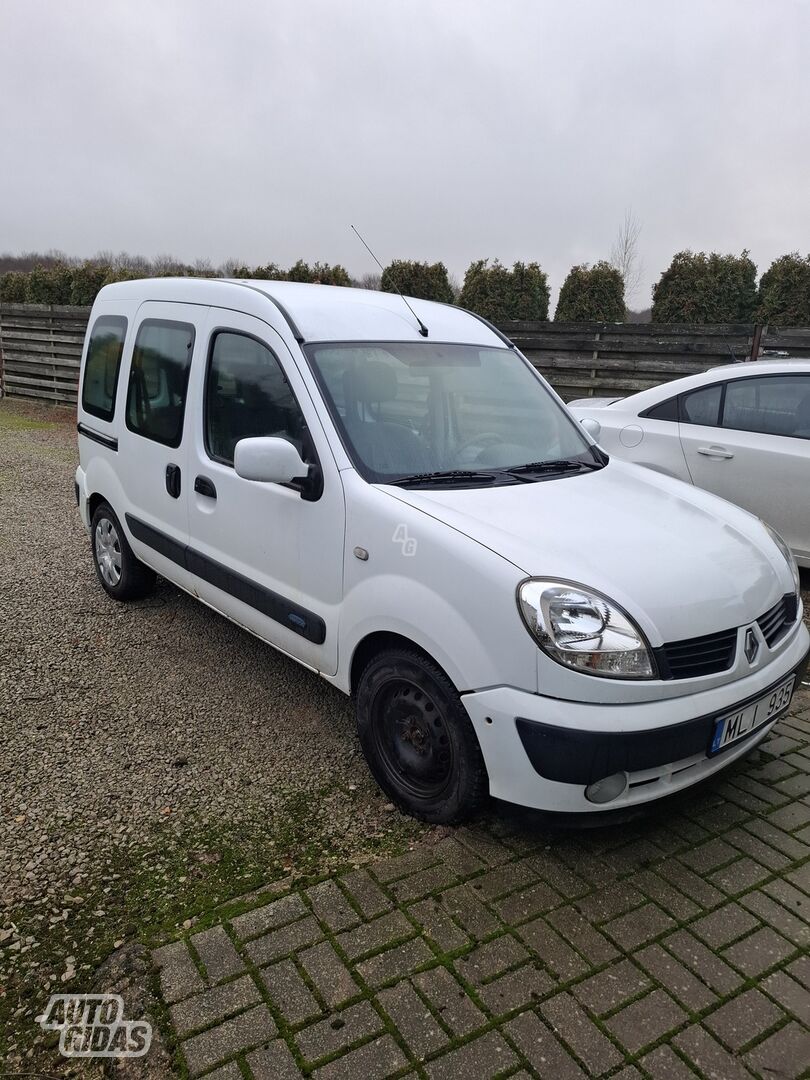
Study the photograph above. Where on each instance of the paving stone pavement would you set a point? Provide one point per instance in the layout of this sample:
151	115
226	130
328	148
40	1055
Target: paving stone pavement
673	946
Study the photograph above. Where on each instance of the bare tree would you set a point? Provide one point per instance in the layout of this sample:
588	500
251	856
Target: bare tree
203	267
232	267
367	281
124	261
643	316
164	265
624	255
56	255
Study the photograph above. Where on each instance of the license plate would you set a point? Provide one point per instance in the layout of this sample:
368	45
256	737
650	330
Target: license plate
730	729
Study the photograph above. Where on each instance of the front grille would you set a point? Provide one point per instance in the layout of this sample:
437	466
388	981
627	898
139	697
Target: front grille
697	656
774	623
712	653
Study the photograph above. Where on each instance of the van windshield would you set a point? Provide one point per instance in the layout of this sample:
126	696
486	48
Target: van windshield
428	413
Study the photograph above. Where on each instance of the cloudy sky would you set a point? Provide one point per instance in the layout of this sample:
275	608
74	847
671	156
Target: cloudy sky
444	129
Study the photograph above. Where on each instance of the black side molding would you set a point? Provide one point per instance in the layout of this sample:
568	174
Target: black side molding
305	623
98	436
161	543
275	607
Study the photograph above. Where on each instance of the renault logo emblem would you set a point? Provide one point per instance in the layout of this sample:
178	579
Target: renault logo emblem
751	646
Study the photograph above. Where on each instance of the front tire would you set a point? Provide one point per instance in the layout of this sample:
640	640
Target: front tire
418	740
122	576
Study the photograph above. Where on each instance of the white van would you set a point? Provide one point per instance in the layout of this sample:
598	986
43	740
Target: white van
393	496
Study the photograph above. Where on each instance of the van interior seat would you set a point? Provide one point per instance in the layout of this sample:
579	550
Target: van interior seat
245	407
385	445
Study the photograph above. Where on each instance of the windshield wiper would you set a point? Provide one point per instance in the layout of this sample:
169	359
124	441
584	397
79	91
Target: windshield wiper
449	476
561	465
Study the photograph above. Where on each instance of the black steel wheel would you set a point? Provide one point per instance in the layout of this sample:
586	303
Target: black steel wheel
418	739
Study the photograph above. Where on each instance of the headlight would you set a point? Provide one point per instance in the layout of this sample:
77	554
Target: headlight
780	543
584	630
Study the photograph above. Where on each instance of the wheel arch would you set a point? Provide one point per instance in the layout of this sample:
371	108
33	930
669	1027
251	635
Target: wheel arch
94	501
379	641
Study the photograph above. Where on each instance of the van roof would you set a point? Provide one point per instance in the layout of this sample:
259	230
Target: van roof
318	312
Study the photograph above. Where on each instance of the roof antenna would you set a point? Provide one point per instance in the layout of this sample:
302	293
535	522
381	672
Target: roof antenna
423	330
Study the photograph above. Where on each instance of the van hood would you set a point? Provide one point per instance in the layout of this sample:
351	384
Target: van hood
682	562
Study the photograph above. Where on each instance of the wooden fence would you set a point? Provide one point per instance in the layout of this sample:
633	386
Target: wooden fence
40	351
617	359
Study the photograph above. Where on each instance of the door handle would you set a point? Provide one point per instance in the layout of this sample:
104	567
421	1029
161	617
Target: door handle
173	480
204	486
714	451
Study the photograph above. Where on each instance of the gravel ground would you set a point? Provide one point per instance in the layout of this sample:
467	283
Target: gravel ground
115	715
122	725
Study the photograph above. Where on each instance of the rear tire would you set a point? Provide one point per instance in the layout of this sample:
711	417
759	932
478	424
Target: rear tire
122	576
418	739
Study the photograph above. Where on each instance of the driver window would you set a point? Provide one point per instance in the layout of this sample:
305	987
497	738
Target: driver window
247	395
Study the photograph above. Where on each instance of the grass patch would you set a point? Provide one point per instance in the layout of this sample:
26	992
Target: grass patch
151	892
12	421
31	414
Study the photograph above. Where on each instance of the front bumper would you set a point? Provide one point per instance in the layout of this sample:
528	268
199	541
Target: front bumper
542	752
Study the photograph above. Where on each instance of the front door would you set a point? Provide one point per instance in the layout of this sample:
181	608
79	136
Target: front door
153	440
264	555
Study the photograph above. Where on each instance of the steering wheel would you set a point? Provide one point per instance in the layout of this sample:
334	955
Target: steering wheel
478	442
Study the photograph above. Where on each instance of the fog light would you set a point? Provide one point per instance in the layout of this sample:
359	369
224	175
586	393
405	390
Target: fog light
607	789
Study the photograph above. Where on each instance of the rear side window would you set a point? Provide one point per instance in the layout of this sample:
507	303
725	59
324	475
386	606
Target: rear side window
158	377
665	410
101	368
772	405
702	406
247	395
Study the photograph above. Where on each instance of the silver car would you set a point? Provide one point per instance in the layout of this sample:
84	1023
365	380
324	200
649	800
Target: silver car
742	432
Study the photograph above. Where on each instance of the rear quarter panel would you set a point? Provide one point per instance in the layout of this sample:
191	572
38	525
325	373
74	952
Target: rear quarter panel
655	444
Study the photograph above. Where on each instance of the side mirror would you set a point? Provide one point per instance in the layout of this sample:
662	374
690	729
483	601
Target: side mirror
269	460
593	427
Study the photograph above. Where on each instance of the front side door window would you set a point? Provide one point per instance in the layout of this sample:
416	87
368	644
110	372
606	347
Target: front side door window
771	405
248	395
